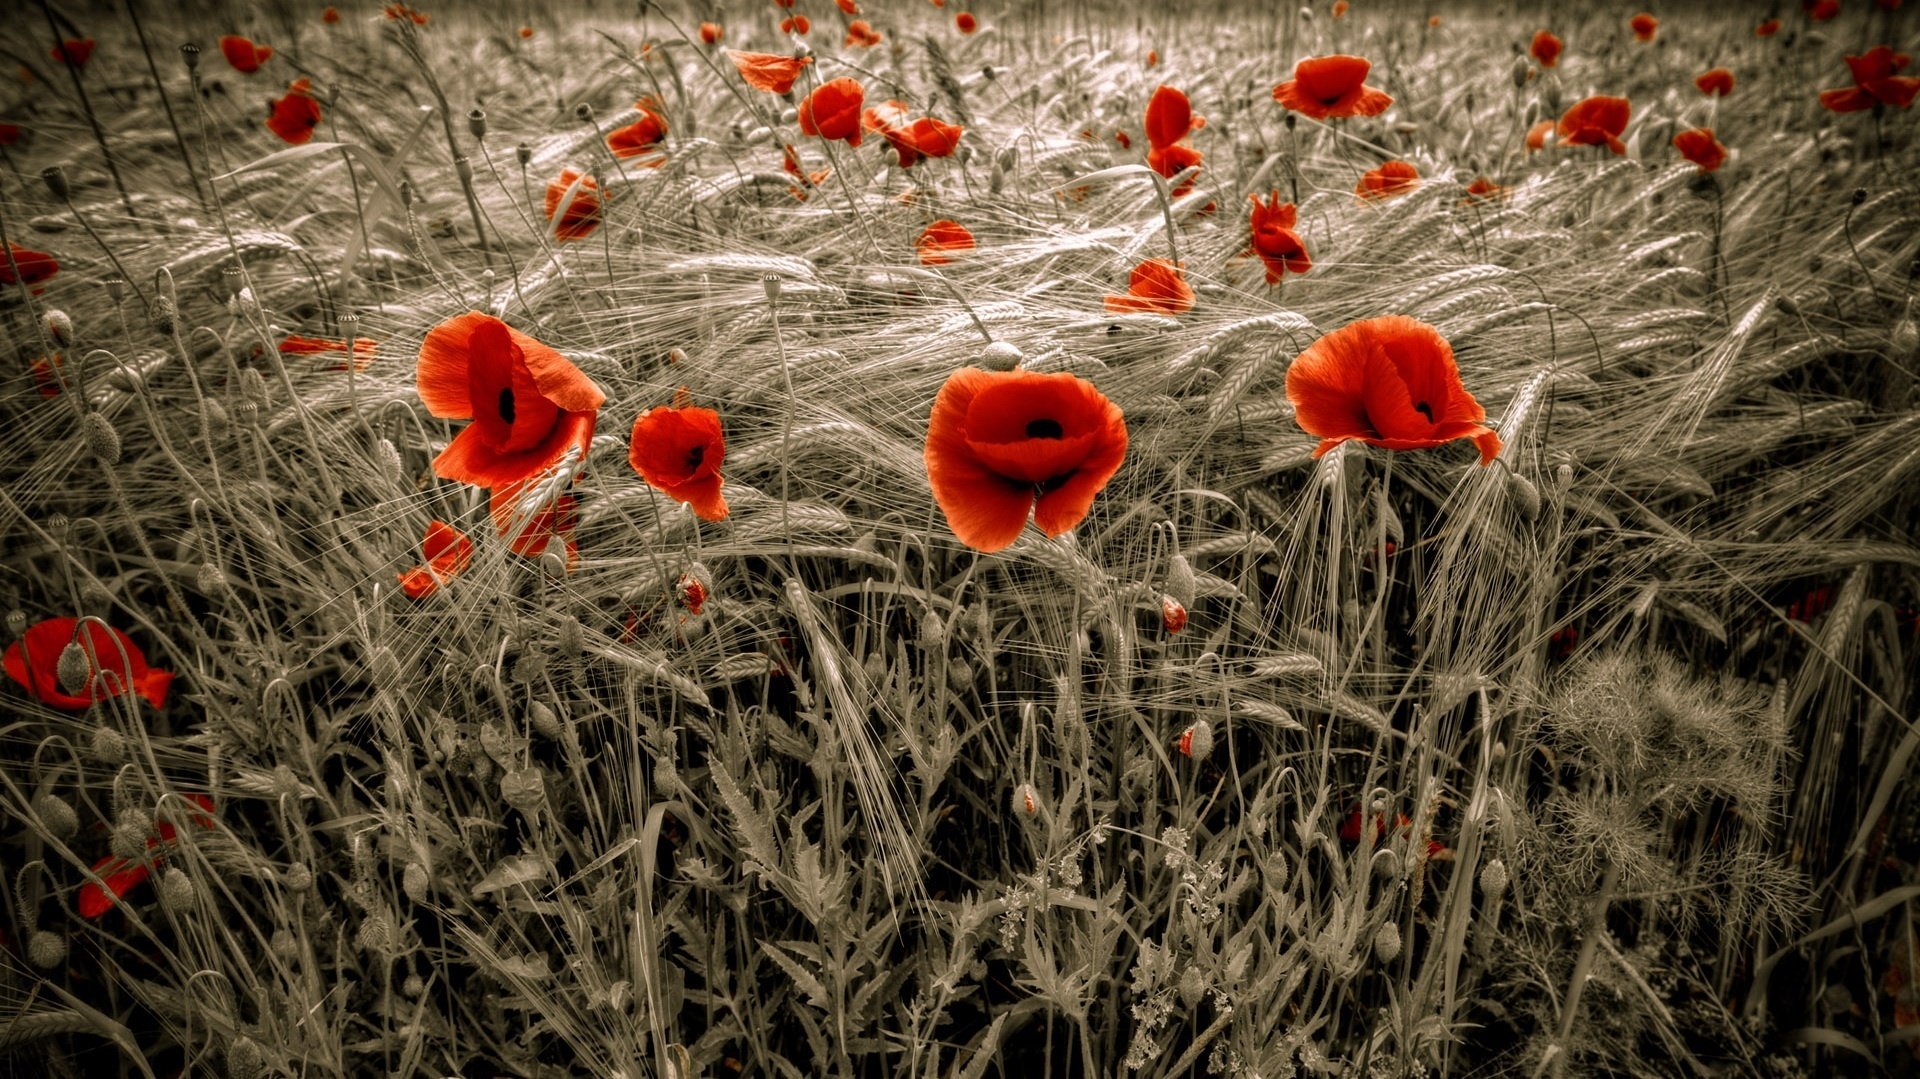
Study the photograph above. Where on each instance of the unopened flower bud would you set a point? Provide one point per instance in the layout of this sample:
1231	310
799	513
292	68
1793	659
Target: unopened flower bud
1493	878
106	745
1523	496
244	1058
296	877
131	830
1386	941
542	718
163	313
1026	800
176	888
1173	615
414	882
60	327
1520	71
73	669
46	950
1196	742
101	438
56	816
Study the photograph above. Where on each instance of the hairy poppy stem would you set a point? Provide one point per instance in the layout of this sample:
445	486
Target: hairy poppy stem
86	106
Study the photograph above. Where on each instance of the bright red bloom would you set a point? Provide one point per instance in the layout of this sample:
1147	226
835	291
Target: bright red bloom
710	33
531	408
1718	81
848	6
1390	180
1596	121
940	238
1388	382
1700	147
861	33
75	51
796	24
330	16
1173	617
1171	161
33	661
296	115
364	349
1644	26
678	451
1546	49
1820	10
244	55
1537	135
1874	82
582	214
1003	444
1275	240
448	552
25	264
765	71
1169	117
1767	28
119	876
832	111
912	140
1156	286
1483	188
1327	86
641	136
966	23
530	528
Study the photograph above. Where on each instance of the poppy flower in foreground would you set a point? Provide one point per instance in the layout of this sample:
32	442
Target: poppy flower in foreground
765	71
939	239
1546	49
1537	135
1171	161
115	665
710	33
1716	82
118	875
448	552
244	55
1169	117
1327	86
530	528
1874	82
1274	238
582	214
1005	444
75	51
296	115
1644	26
1388	382
1391	180
848	6
28	265
832	111
531	408
678	450
1700	147
1596	121
1767	28
641	136
300	345
1156	287
861	33
966	23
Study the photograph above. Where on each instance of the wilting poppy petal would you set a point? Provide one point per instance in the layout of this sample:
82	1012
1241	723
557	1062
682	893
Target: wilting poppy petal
678	451
1389	180
364	349
765	71
244	55
1389	382
296	115
33	661
531	529
941	238
582	214
1700	147
832	111
1332	86
1545	48
1596	121
1644	26
1718	81
639	137
1155	286
448	552
118	876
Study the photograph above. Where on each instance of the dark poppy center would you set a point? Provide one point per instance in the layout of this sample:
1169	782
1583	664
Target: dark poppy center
506	404
1425	410
1045	428
695	456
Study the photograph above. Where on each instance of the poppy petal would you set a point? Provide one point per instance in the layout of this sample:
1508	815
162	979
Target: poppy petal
442	373
117	878
469	458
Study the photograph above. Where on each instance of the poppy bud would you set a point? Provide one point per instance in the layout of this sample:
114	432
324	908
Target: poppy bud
676	356
1386	941
60	327
542	718
553	564
1523	496
286	946
211	579
1026	800
1173	615
1520	71
933	630
1001	356
163	313
413	986
959	675
1196	742
244	1058
297	877
176	888
100	436
389	460
253	385
413	882
73	669
523	153
116	288
572	638
1787	306
477	123
56	816
1193	986
1181	582
107	745
1493	878
191	54
56	180
130	832
788	116
759	135
46	950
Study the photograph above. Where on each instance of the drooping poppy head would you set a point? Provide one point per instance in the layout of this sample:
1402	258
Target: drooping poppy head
1716	82
710	33
531	408
966	23
1332	86
119	876
244	55
296	115
75	51
531	524
448	553
1156	286
1874	82
765	71
114	665
1274	239
1644	26
639	137
939	241
1389	382
678	450
582	213
832	111
1485	189
1537	135
1171	161
1546	49
1820	10
1169	117
1390	180
1700	147
1596	121
1768	28
862	34
796	24
363	349
26	265
1003	444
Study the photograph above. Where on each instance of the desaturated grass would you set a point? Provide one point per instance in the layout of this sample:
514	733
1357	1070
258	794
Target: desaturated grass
1626	716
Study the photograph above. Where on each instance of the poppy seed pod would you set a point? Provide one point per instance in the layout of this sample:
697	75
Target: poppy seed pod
191	54
771	282
46	950
477	123
414	882
56	181
101	438
56	816
583	112
463	169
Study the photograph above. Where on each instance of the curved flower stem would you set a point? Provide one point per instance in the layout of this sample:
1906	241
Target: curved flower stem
1166	214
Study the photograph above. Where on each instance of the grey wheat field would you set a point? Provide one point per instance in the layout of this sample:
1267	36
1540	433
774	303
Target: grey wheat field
712	707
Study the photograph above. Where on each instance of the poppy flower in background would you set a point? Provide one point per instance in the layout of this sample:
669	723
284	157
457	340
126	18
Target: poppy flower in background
678	450
796	24
448	553
1153	57
861	33
1352	827
1390	180
27	265
1169	117
1716	82
710	33
398	12
1874	82
1483	188
1820	10
1546	49
966	23
75	51
911	139
531	529
46	374
364	349
1156	287
296	115
1767	29
939	239
526	32
118	875
832	111
1005	444
330	16
1644	26
10	134
1700	147
1596	121
529	405
1274	238
34	662
1171	161
582	214
641	136
848	6
1537	135
244	55
1328	86
1388	382
765	71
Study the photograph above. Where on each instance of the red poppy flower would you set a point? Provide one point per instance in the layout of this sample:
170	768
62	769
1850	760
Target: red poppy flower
1156	286
678	450
1537	135
530	407
1820	10
639	137
1391	180
1351	828
832	111
861	33
582	214
848	6
940	238
330	16
118	875
1169	117
1153	57
1332	86
1275	240
75	51
25	264
1717	81
796	24
1700	147
397	12
530	529
1596	121
244	55
784	3
1546	49
966	22
710	33
296	115
1339	9
9	134
1874	82
448	552
33	661
526	32
299	345
912	140
46	374
764	71
1644	26
1390	382
1003	444
1483	188
1171	161
1767	28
